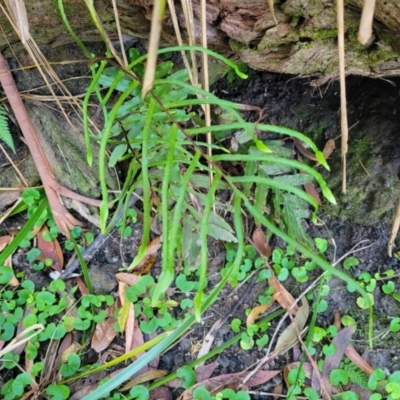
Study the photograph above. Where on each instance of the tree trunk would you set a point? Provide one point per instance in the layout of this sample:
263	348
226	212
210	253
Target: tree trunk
303	42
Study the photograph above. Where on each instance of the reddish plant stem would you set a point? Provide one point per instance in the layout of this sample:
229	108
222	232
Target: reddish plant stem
64	220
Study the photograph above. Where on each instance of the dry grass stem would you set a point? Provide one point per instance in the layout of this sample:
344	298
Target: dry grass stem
367	17
343	105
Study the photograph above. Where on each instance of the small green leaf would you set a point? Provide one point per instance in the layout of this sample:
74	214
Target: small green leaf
318	334
183	284
322	245
235	325
395	325
219	229
187	375
32	254
311	393
139	392
388	288
339	377
116	154
329	350
376	376
58	392
393	388
365	303
71	366
57	285
262	341
375	396
346	320
81	325
332	330
300	274
149	326
371	285
201	393
350	262
296	375
6	274
283	275
20	382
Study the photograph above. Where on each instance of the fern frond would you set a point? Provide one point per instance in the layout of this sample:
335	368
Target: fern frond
5	134
356	375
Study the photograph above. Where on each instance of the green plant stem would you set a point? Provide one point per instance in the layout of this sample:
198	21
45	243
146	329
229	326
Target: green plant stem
103	153
146	188
84	267
71	32
198	300
93	86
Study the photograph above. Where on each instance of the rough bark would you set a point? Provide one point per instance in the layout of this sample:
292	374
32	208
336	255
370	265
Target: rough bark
303	42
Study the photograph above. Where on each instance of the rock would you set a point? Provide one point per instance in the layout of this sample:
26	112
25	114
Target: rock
103	278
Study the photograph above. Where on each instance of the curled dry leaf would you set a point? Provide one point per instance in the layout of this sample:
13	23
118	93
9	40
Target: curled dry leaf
260	243
144	266
259	310
284	298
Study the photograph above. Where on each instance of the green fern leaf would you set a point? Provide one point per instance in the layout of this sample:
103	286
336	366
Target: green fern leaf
356	375
5	134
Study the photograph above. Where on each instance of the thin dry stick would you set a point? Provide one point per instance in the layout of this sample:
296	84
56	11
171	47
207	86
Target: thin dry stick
187	8
178	35
206	85
121	41
367	17
343	106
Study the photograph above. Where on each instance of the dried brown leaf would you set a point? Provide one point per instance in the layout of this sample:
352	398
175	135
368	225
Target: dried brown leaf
129	329
289	336
82	286
145	377
161	393
284	298
72	349
260	243
149	259
328	148
258	310
312	191
127	278
104	334
50	250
